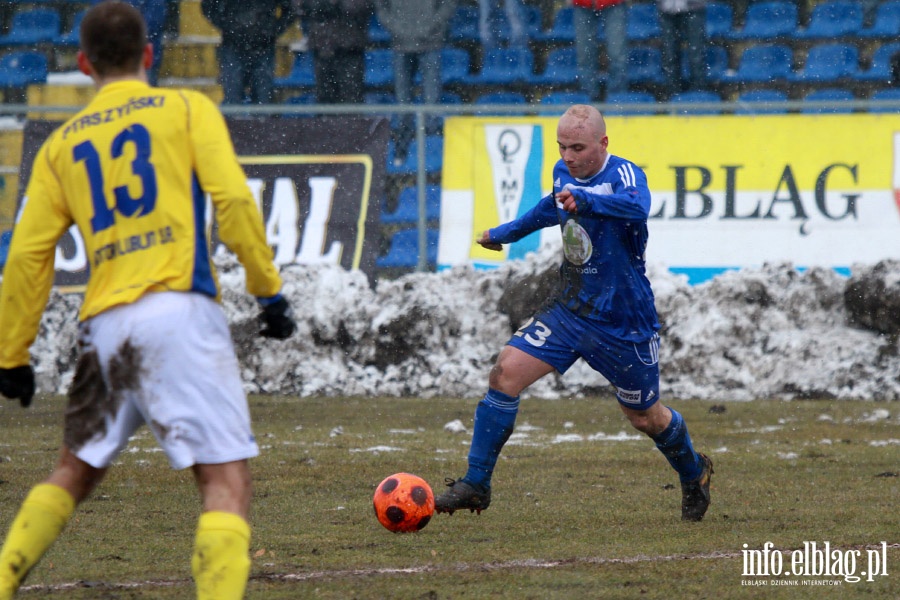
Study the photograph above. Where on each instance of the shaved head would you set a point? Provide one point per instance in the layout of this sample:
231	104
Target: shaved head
581	136
586	118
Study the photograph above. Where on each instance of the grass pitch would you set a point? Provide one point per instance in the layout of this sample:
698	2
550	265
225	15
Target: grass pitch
580	509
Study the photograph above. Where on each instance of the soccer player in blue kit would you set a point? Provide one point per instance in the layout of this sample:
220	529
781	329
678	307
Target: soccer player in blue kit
605	314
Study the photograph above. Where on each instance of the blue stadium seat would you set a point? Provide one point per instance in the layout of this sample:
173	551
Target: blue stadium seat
5	239
504	66
302	73
404	249
377	34
716	63
831	19
22	68
565	98
434	156
379	67
885	94
762	63
463	26
828	63
695	97
834	96
501	98
617	99
753	102
70	38
886	23
880	69
643	22
768	20
407	210
562	31
719	20
645	65
34	26
561	68
454	65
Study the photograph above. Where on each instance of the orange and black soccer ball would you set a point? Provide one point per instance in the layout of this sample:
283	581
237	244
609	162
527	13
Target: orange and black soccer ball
403	503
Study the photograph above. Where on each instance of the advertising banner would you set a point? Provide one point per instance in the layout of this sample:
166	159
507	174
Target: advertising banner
314	180
728	191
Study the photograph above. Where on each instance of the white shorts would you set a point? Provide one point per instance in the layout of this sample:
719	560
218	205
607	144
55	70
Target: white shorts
166	360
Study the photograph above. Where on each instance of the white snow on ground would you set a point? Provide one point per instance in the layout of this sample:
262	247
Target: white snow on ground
768	332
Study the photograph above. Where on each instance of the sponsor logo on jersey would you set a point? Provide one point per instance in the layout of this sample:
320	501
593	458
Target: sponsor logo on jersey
577	245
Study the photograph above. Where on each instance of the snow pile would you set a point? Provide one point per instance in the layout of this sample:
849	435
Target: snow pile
771	332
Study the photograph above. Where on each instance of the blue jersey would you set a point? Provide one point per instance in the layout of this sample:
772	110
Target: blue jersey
603	274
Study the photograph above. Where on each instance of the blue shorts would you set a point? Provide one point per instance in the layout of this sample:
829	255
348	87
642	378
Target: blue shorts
558	337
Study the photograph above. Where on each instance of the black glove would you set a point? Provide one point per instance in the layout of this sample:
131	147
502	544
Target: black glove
17	382
277	319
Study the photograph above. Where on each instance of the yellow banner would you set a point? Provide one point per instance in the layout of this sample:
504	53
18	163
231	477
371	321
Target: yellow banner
728	191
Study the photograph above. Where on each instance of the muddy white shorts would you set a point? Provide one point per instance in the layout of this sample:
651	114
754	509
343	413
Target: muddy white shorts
167	361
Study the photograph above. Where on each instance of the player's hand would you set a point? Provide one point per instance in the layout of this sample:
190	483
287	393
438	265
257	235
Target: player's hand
566	201
18	383
485	242
277	319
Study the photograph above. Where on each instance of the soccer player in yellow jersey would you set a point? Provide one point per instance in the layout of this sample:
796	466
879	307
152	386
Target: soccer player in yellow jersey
131	171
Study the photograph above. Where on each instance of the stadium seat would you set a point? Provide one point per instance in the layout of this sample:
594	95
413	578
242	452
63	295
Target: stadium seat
561	68
719	20
558	102
70	38
716	63
643	22
377	34
615	100
754	102
886	94
645	65
768	20
34	26
880	69
407	210
834	96
404	249
302	73
886	23
22	68
695	97
501	98
463	26
504	66
562	31
379	67
454	65
434	156
762	63
566	98
832	19
5	239
828	63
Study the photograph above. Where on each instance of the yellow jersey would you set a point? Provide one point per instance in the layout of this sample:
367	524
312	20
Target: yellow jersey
131	170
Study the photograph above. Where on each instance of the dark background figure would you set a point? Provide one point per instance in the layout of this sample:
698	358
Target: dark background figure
417	43
683	35
587	18
337	31
247	52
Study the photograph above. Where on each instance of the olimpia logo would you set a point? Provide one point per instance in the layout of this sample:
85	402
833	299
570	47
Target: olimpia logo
813	564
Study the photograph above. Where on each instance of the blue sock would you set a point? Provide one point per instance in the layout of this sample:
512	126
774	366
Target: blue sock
675	444
495	417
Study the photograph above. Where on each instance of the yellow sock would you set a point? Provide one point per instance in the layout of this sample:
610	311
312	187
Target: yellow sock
221	561
41	518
